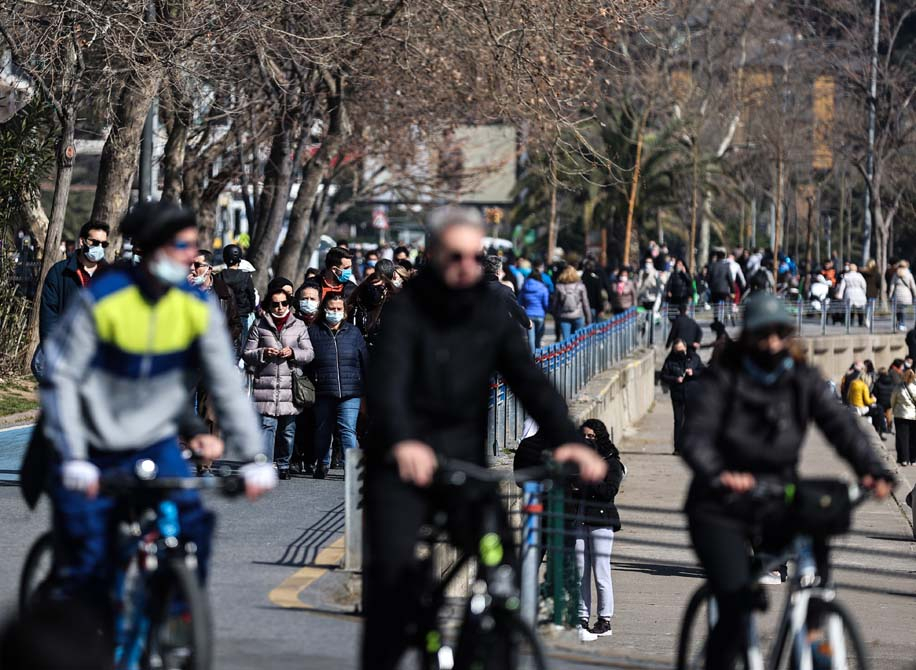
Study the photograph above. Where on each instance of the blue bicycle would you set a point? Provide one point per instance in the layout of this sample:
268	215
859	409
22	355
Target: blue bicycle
162	617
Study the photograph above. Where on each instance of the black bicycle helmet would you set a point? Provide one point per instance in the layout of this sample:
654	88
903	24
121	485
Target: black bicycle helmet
150	225
232	254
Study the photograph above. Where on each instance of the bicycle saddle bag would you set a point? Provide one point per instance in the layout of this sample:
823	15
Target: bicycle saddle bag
821	507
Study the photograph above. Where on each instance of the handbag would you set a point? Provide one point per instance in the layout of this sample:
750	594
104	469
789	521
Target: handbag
822	507
303	389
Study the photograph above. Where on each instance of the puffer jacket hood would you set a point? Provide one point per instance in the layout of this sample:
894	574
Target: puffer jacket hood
273	377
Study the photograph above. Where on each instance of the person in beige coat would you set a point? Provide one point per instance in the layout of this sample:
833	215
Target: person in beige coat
278	347
902	291
903	403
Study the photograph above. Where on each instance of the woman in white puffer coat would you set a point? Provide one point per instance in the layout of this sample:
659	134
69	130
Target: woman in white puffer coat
854	290
902	291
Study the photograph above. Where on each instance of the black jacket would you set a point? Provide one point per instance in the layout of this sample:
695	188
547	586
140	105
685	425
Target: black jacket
599	508
509	300
239	282
736	423
675	367
61	285
684	328
340	366
720	278
594	284
430	375
884	389
911	343
679	288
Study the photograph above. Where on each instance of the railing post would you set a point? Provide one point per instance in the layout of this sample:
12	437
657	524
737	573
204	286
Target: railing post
555	549
870	314
824	316
495	416
800	315
894	314
848	314
353	510
533	509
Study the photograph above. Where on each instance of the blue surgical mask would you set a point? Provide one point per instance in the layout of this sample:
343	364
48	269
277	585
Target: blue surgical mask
94	254
168	271
333	318
371	264
345	275
198	280
308	306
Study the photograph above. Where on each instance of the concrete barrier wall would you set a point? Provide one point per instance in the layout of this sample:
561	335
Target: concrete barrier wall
833	354
619	396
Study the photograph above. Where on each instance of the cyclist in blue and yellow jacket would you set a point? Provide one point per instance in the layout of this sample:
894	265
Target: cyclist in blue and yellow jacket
120	366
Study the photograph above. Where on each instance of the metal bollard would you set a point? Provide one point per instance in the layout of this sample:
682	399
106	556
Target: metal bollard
353	509
533	508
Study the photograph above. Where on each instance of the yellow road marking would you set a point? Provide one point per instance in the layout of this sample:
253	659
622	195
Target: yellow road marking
287	593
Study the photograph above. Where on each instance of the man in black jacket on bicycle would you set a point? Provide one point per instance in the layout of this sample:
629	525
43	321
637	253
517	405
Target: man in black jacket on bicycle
445	337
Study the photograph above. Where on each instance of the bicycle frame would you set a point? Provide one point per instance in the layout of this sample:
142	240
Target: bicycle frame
793	627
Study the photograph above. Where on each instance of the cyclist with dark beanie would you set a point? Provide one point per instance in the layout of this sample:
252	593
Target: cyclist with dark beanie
445	336
120	366
746	421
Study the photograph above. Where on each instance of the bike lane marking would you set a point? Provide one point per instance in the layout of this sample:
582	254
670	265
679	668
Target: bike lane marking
286	595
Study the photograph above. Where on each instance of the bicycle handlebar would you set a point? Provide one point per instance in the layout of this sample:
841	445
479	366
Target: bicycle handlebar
144	478
455	472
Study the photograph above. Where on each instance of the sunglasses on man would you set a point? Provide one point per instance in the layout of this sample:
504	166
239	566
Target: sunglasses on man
457	257
96	243
198	265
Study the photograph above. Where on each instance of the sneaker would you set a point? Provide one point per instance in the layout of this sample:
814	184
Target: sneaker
321	471
602	628
774	578
284	473
585	635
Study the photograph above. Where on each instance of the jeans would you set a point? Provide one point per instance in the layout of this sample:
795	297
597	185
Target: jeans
536	332
331	412
83	527
247	320
285	427
593	555
570	326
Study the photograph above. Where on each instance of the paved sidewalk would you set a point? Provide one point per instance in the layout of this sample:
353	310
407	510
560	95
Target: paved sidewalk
654	570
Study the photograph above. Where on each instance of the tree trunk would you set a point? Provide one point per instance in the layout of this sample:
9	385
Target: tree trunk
843	252
694	197
65	154
705	224
274	198
177	122
118	162
634	188
35	218
808	233
552	221
294	246
780	178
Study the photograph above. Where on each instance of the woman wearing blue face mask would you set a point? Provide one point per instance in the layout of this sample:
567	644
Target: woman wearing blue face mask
339	373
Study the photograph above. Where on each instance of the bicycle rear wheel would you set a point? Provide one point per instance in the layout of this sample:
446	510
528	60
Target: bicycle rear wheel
39	563
691	645
835	643
180	629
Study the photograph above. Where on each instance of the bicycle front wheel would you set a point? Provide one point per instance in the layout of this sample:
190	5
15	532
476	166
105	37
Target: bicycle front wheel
695	626
36	571
499	641
834	640
180	629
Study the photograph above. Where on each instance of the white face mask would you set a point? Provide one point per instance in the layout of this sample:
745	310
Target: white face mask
308	306
397	282
168	271
333	318
200	280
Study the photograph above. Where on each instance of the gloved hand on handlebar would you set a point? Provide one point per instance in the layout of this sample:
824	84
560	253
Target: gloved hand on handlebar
81	476
259	478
